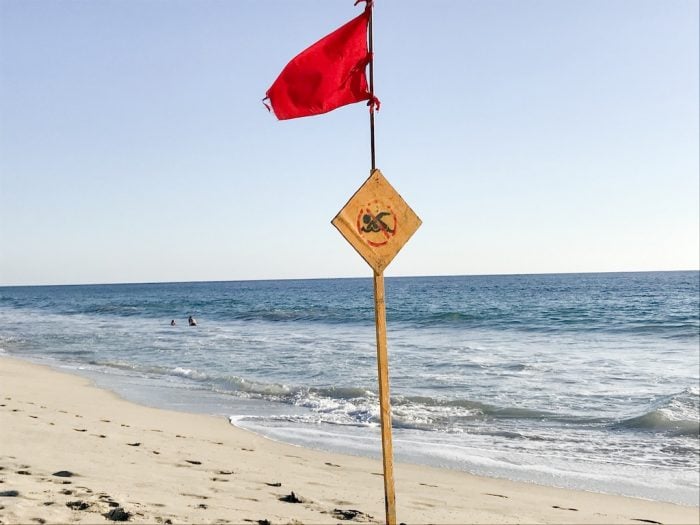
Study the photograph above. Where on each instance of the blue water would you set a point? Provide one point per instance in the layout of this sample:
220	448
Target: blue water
588	381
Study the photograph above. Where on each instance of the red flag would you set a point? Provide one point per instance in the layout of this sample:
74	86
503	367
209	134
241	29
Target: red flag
325	76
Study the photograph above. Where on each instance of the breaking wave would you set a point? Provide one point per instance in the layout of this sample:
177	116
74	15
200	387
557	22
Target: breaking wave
677	414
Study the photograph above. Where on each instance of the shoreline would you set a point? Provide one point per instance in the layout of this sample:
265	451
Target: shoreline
159	465
639	484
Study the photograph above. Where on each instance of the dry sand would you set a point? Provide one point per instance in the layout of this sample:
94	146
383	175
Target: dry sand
73	453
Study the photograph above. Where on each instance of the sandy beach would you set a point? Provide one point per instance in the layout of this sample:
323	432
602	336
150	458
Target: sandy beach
73	453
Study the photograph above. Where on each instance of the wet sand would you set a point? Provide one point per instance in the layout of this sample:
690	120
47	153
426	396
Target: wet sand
73	453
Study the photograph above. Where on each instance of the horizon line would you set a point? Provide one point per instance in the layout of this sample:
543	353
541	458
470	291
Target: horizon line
202	281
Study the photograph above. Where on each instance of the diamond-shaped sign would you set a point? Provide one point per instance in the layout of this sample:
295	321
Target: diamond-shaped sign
377	222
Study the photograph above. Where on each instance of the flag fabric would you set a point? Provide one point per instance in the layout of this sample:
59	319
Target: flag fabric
325	76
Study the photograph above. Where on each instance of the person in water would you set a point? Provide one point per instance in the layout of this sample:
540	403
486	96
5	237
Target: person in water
172	323
192	321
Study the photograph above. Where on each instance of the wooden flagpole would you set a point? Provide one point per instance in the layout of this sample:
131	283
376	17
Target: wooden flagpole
384	401
380	321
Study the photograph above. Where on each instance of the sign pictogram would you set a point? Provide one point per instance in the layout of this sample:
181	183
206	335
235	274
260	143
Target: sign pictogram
376	221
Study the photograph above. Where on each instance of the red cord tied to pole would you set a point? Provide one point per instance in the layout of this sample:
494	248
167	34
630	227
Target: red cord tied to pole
327	75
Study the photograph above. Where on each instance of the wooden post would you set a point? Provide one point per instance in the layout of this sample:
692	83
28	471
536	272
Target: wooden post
384	401
380	318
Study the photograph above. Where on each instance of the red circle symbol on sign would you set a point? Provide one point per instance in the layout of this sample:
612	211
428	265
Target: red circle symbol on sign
376	223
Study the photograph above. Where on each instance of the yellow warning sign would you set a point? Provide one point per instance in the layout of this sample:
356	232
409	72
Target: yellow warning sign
376	221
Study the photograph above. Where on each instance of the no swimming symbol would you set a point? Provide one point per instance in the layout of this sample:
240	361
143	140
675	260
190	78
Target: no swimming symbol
376	223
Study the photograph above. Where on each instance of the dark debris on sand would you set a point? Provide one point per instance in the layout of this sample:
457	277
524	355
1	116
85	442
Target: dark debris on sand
117	514
350	514
78	505
291	498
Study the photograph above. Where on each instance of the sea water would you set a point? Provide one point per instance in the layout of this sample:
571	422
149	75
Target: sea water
587	381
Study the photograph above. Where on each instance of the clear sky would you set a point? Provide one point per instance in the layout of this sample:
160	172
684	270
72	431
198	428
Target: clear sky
530	136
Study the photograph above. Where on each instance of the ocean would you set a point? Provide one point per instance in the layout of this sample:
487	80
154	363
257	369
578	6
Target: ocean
585	381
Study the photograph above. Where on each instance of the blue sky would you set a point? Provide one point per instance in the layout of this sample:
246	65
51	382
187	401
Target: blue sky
529	136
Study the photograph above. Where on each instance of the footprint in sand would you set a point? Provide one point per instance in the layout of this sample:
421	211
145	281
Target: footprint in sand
199	496
563	508
108	499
